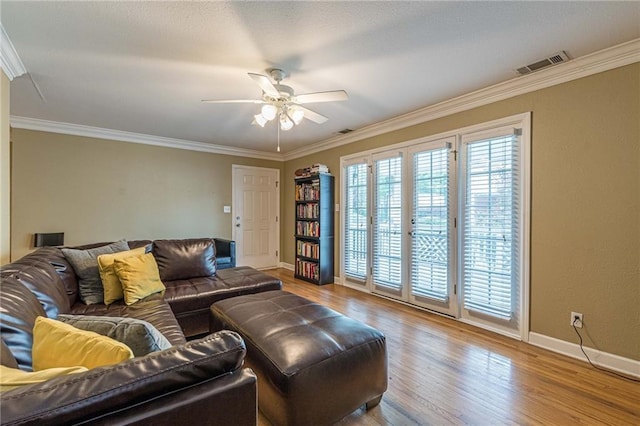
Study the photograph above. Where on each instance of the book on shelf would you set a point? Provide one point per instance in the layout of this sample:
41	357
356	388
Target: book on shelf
308	211
307	249
308	229
308	191
307	269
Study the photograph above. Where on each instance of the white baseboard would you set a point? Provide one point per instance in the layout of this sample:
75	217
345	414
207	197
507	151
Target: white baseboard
287	266
623	365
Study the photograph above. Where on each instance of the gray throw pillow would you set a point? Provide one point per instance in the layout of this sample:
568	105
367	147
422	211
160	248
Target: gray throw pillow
85	264
140	336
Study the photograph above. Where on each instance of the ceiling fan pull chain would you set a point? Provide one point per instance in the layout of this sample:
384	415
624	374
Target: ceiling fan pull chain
278	127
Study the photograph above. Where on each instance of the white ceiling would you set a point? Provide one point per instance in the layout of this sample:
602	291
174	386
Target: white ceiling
143	67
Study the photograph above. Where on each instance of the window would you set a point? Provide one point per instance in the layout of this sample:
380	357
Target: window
387	222
356	217
430	224
491	236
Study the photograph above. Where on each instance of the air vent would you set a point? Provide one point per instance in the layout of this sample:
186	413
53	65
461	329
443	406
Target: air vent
345	131
556	58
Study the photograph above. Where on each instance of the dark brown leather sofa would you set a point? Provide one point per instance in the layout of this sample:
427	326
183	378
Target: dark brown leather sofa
201	379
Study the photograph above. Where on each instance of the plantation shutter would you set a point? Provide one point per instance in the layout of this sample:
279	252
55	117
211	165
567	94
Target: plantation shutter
387	222
491	237
430	253
356	217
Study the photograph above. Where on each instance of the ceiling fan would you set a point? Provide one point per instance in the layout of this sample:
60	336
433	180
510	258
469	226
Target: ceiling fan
279	100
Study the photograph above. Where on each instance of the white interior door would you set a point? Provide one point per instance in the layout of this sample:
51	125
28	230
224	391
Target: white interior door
256	211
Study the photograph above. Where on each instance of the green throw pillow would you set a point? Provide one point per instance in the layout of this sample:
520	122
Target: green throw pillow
85	264
140	336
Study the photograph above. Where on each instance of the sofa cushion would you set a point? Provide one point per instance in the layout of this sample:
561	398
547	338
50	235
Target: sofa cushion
139	277
41	278
110	281
20	308
85	264
185	259
140	336
11	378
56	344
199	293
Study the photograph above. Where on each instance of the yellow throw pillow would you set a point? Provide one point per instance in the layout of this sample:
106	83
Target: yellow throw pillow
110	282
11	378
139	276
56	344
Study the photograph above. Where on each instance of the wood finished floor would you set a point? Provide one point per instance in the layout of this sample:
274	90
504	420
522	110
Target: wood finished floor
443	372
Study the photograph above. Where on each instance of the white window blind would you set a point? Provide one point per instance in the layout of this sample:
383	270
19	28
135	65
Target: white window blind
430	224
491	240
356	221
387	222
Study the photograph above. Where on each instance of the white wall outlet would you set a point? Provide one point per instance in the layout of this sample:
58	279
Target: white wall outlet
226	209
337	207
576	319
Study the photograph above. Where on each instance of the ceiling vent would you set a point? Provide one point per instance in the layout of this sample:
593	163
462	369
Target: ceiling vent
555	59
345	131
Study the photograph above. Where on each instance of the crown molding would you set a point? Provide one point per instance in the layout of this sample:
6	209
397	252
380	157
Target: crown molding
118	135
597	62
9	59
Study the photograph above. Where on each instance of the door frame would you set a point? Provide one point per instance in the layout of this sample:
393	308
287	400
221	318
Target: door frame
234	168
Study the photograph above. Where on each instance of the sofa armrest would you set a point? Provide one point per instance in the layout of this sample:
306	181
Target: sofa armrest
226	248
144	388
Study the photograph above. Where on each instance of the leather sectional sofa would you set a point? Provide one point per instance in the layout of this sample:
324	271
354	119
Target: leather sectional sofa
201	379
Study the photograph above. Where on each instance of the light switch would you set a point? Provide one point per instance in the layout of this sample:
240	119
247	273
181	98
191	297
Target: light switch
227	209
337	207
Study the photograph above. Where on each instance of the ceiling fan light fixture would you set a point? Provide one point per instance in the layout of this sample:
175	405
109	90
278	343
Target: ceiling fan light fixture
285	122
269	111
259	120
297	115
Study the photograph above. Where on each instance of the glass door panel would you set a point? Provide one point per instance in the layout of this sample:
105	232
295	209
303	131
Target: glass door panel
387	225
432	259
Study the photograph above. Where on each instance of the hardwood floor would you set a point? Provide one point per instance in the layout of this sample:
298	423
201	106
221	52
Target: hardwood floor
444	372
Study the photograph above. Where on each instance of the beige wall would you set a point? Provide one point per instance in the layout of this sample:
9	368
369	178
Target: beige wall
102	190
5	172
585	218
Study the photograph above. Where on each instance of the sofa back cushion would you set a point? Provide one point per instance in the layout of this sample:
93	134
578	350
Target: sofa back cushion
184	259
41	278
54	256
20	308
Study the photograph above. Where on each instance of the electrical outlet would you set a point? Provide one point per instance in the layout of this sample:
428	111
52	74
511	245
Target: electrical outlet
576	319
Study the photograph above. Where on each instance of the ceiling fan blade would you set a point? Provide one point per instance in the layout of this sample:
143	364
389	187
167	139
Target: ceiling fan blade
313	116
331	96
265	84
232	101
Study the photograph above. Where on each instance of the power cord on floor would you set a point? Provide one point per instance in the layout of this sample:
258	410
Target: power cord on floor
595	366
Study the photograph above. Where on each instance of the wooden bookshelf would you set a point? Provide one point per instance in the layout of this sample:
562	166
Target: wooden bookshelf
314	230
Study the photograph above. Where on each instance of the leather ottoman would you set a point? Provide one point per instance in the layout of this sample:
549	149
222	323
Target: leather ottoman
314	365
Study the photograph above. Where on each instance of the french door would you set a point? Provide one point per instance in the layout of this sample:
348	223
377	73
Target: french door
412	213
443	224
